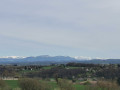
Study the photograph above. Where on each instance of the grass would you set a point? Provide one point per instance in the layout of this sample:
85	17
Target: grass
72	67
53	84
14	84
48	67
79	87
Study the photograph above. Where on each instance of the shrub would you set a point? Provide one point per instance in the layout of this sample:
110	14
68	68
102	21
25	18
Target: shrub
104	85
29	84
65	85
4	86
87	83
45	86
109	85
118	81
33	84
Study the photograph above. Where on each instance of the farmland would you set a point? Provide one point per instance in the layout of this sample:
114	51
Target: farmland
14	84
55	77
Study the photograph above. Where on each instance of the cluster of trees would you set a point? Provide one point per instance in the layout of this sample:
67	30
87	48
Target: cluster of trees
32	67
108	73
83	71
7	72
63	71
82	65
58	72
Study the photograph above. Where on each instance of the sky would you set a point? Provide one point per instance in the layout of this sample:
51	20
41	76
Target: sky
60	27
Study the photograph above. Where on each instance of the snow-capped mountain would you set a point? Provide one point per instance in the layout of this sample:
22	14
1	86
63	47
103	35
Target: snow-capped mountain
82	58
14	57
89	58
46	59
36	59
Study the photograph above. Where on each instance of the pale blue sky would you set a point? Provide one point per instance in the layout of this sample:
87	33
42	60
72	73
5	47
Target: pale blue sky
60	27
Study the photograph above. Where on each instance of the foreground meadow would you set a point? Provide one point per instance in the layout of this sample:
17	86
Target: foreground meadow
15	85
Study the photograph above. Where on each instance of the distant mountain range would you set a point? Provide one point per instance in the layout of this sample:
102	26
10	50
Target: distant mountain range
46	60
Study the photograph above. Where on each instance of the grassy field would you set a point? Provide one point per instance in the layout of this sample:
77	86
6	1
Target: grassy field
14	84
79	87
48	67
72	67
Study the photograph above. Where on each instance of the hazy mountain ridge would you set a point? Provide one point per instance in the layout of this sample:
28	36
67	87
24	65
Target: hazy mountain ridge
45	59
38	59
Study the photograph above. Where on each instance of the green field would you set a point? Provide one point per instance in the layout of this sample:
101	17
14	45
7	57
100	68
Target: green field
48	67
72	67
14	84
79	87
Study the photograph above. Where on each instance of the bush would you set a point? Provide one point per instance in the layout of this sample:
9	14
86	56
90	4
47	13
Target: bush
87	83
109	85
45	86
33	84
29	84
65	85
118	81
104	85
4	86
